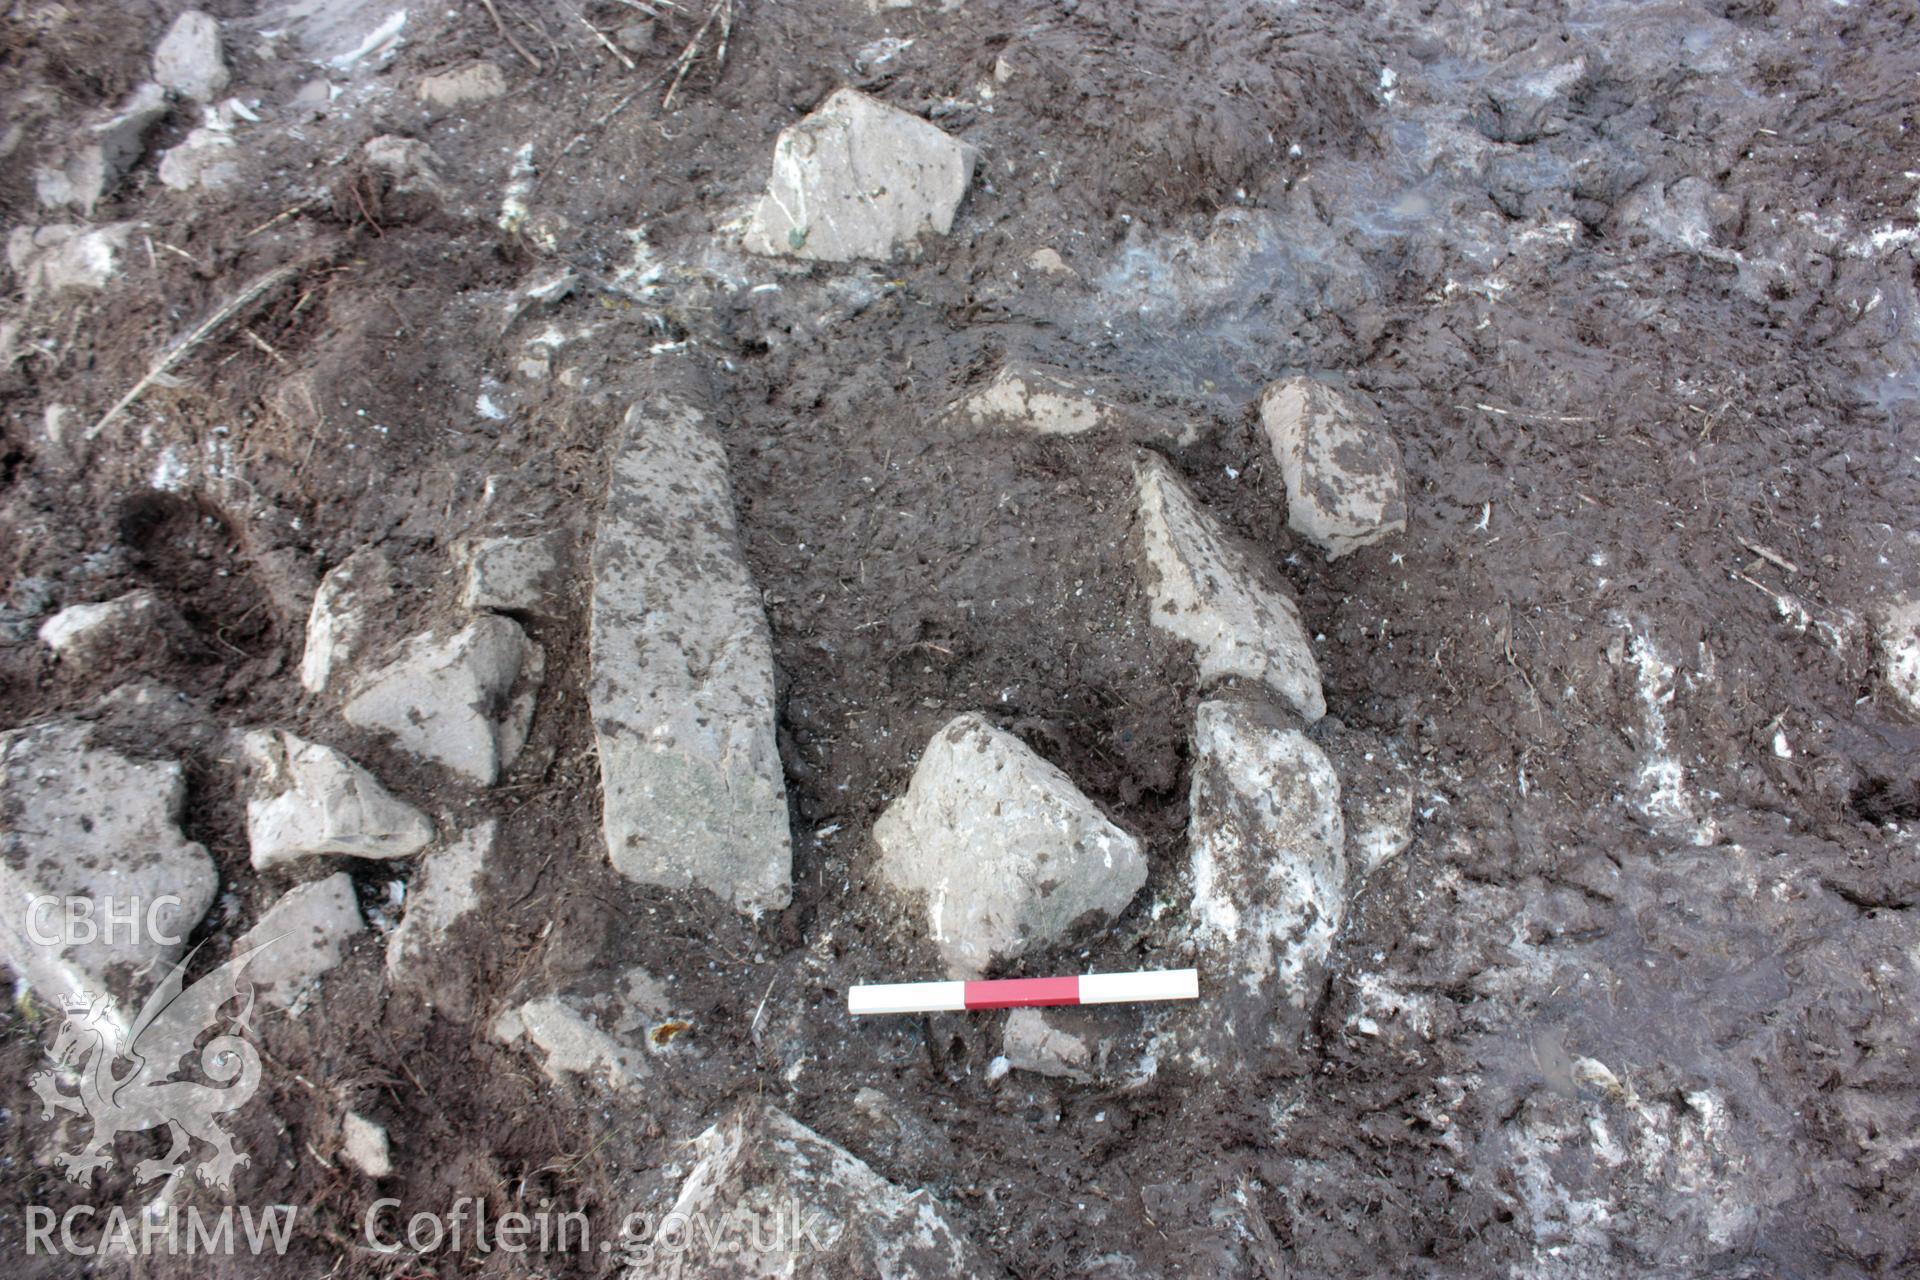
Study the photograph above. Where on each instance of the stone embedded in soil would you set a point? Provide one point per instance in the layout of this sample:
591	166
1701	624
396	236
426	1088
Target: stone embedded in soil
1345	486
461	86
302	936
1008	853
112	635
364	1145
1030	1042
514	575
1267	850
206	159
574	1044
681	689
1204	590
465	701
411	162
63	256
89	827
191	59
445	891
842	1217
859	179
1038	401
102	153
353	593
1898	634
311	801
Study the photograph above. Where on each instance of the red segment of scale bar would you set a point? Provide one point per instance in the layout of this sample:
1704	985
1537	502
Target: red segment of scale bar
1023	993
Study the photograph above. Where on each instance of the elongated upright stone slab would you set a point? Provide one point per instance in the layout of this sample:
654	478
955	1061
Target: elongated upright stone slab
1267	845
681	689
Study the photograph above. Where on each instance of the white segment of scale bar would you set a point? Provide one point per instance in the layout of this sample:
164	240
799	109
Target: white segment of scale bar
1117	988
907	997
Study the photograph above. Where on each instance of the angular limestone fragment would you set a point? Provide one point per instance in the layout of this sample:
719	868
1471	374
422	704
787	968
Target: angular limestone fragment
191	59
309	800
89	839
1266	841
1205	591
350	597
446	891
841	1217
302	936
1008	852
465	701
1345	483
859	179
1037	401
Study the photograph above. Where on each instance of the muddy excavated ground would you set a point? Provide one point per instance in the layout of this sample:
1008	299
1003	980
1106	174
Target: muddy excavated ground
1635	288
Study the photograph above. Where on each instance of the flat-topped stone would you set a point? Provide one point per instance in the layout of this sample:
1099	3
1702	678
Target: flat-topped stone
682	679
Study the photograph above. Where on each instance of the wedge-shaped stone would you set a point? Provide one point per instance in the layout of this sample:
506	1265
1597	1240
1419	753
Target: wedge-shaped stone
1267	845
350	597
775	1198
89	839
1008	852
859	179
681	690
465	700
446	891
309	801
1345	486
302	936
1205	590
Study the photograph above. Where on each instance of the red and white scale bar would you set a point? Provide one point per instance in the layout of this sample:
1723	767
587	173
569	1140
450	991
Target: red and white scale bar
1024	993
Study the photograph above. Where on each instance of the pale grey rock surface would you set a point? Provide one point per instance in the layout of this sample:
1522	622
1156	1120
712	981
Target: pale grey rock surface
1037	400
191	58
465	701
761	1161
1205	590
364	1145
208	158
302	936
86	823
573	1043
1007	852
1345	482
461	86
1898	634
351	596
63	256
1031	1042
445	891
310	801
859	179
513	574
104	635
102	153
1267	853
682	683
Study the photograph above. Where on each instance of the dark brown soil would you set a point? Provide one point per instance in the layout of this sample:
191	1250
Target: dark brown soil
1618	441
